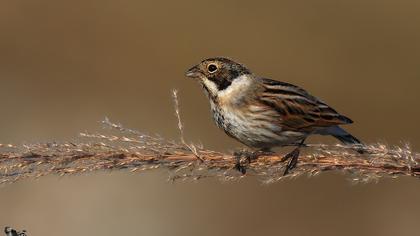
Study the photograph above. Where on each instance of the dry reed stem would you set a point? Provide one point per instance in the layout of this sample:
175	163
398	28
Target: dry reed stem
132	150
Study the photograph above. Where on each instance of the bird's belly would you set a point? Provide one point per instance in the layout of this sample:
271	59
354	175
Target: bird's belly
253	131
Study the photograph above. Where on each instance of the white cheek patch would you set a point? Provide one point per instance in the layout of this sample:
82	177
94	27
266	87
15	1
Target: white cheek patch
238	86
211	86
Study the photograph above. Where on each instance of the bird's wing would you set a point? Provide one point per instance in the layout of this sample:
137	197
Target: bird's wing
297	108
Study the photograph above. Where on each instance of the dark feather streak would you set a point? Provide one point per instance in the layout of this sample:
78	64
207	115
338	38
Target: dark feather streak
273	105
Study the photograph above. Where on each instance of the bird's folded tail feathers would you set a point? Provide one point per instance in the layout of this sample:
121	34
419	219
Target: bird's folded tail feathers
344	136
347	139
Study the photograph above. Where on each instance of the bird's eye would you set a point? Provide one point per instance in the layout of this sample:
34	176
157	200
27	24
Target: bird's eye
212	68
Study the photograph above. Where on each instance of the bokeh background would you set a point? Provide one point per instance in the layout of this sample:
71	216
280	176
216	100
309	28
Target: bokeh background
65	65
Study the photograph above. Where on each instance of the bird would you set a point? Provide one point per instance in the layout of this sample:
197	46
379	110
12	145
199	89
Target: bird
263	113
12	232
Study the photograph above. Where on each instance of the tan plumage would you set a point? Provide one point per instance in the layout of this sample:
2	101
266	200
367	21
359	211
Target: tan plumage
299	109
264	113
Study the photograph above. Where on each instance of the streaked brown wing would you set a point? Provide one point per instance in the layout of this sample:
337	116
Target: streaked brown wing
297	108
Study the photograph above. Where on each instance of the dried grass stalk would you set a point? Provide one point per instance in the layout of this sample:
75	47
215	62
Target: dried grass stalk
135	151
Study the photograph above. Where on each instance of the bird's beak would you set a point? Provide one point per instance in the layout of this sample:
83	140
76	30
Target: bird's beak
193	72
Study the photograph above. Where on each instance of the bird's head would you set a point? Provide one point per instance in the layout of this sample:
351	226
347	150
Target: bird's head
217	74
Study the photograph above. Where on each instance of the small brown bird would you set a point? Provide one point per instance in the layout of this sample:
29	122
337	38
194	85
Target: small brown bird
263	113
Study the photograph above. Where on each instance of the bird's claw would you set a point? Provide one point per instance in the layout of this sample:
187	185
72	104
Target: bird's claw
250	156
293	159
239	167
238	155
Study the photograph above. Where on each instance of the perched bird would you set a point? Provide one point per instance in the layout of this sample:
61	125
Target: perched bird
12	232
263	113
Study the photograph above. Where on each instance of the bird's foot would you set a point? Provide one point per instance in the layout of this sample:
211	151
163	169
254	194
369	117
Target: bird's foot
239	167
239	155
293	160
249	156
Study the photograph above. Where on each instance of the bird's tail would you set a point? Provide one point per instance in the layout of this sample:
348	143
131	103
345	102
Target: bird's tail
344	136
347	139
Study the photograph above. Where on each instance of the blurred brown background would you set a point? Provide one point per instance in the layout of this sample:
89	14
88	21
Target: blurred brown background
64	65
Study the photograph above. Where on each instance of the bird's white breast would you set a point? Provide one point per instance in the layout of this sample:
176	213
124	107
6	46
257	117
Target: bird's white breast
248	129
237	87
243	120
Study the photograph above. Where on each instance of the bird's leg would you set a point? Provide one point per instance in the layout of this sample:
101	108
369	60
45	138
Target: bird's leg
292	157
250	156
238	156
